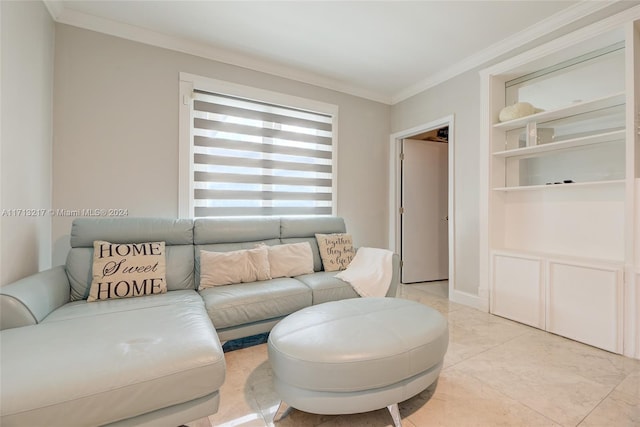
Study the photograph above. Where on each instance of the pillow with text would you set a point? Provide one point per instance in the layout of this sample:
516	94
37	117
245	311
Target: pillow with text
336	250
125	270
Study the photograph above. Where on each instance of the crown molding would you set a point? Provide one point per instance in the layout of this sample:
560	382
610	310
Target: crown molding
180	44
203	50
529	34
55	8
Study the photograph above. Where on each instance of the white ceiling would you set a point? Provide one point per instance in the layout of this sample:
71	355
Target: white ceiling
381	50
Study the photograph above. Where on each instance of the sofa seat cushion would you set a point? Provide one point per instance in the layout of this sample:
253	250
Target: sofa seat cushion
325	287
77	309
240	304
118	364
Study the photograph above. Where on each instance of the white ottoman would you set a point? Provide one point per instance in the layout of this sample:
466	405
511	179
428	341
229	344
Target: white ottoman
356	355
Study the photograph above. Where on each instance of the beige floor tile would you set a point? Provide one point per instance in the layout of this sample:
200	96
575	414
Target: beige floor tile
458	399
440	288
618	409
203	422
238	405
441	304
560	378
631	385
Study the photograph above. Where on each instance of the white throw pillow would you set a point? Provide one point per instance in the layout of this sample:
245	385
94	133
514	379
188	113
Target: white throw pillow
127	270
290	260
226	268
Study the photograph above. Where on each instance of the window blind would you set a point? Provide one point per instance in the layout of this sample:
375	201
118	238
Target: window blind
254	158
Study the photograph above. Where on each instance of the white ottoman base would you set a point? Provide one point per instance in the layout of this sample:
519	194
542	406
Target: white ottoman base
334	403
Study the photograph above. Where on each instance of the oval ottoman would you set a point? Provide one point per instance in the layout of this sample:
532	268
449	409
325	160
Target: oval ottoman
356	355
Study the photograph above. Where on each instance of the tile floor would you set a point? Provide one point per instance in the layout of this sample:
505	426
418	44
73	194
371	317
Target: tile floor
496	373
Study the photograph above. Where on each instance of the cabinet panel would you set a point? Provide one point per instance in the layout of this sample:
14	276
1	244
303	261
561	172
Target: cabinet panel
584	303
517	289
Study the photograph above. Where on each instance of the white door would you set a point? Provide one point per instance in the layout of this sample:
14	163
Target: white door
424	221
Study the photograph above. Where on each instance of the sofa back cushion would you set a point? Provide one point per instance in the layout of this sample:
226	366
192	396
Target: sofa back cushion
304	229
176	233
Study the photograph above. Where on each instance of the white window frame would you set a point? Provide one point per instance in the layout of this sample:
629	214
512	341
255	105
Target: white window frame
190	82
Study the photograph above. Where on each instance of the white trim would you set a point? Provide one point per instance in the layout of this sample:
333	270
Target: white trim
185	150
635	328
546	26
394	188
593	31
55	7
468	299
632	214
189	82
254	93
203	50
180	44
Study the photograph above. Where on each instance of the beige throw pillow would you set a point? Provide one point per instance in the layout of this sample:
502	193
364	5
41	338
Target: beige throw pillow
226	268
336	250
290	260
127	270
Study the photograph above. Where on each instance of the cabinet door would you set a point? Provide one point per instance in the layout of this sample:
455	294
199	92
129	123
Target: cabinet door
584	303
517	289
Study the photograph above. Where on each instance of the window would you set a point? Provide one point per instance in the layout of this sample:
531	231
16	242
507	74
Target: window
249	157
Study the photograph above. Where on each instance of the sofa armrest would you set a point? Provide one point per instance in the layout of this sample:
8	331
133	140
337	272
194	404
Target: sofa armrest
395	279
29	300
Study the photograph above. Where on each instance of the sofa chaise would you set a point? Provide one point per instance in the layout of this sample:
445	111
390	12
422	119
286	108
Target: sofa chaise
150	360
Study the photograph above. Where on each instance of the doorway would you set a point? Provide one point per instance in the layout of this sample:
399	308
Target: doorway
421	201
424	187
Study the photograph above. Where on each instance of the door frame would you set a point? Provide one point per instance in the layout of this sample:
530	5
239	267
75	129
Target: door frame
395	190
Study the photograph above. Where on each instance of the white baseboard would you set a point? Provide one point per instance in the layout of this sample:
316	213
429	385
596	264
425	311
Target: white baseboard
468	299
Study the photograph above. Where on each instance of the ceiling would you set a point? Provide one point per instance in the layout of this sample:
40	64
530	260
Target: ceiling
381	50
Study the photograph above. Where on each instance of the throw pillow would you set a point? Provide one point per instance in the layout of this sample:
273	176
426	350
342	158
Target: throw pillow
336	250
226	268
290	260
125	270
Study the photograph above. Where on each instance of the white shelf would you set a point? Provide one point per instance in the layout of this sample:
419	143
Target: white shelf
557	186
569	143
578	108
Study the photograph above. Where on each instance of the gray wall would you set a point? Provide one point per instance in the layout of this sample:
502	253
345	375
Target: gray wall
459	96
116	133
25	171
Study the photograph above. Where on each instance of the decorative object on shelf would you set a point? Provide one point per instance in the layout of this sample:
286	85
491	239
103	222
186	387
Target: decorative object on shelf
517	110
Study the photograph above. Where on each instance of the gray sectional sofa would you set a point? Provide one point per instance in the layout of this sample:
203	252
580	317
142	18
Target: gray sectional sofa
151	360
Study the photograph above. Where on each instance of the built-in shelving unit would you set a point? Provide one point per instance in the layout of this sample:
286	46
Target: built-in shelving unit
561	220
